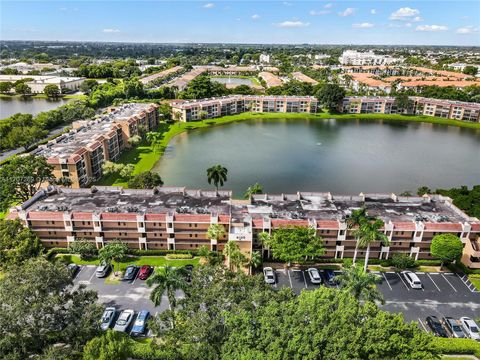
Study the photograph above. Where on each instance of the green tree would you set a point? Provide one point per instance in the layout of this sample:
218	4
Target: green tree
369	233
232	252
88	85
145	180
41	308
446	247
86	249
22	89
169	280
423	190
52	91
403	261
63	181
356	219
127	170
255	261
217	174
116	251
330	96
254	189
360	284
17	243
295	244
470	70
5	87
22	177
202	114
134	140
403	102
110	346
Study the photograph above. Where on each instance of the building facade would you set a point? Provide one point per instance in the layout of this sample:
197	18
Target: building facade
178	218
37	83
79	154
353	57
447	109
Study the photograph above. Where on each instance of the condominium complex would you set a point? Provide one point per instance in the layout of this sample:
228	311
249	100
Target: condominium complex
448	109
37	83
80	153
177	218
165	74
353	57
270	79
192	110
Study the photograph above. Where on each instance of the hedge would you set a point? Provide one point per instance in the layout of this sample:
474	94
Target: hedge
179	256
51	253
457	346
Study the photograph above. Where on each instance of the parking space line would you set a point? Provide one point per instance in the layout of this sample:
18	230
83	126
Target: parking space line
423	325
403	282
290	279
387	281
136	276
91	277
449	283
305	280
434	283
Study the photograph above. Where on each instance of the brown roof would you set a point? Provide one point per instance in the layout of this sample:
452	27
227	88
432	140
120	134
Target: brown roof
297	75
442	72
270	79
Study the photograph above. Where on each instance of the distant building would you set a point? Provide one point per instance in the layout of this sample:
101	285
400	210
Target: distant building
23	67
461	66
297	75
37	85
192	110
353	57
80	153
264	59
270	79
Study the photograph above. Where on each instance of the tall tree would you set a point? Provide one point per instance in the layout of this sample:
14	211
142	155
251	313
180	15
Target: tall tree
109	346
22	177
331	96
22	89
255	261
360	284
116	251
52	91
217	174
357	218
447	247
403	102
145	180
253	189
368	233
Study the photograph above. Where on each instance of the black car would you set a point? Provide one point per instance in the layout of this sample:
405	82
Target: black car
330	277
130	272
436	327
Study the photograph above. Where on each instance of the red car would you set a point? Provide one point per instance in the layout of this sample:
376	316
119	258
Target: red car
145	272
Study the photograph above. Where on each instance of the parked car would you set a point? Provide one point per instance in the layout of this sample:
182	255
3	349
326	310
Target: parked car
145	272
330	277
140	325
470	328
73	268
269	275
453	326
412	279
107	317
314	275
130	272
102	270
124	320
436	327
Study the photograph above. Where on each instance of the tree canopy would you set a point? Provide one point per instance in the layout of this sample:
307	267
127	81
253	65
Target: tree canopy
447	247
331	96
145	180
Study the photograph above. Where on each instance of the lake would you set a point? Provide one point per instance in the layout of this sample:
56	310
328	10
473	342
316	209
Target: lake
233	81
340	156
10	106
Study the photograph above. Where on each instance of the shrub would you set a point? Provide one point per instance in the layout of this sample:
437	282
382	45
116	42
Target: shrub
84	248
160	252
179	256
51	253
402	261
457	346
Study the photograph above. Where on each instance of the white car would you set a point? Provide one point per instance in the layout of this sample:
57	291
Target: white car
470	328
314	275
412	279
269	275
124	320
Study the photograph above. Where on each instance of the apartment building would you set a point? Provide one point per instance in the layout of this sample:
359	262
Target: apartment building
366	82
297	75
178	218
165	74
447	109
270	79
357	58
37	83
80	153
193	110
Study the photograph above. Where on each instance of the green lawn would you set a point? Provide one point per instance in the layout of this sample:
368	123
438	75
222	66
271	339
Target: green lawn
132	260
144	157
475	280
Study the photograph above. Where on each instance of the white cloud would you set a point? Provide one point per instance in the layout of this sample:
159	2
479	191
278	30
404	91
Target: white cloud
347	12
255	17
319	12
405	13
293	24
209	5
286	3
110	31
328	6
373	11
467	30
364	25
431	28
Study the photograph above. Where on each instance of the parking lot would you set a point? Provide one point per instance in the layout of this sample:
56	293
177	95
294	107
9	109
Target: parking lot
442	294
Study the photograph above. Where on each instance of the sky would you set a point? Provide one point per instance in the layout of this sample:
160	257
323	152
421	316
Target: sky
389	22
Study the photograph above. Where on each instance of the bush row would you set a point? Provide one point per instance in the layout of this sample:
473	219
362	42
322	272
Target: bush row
179	256
457	346
51	253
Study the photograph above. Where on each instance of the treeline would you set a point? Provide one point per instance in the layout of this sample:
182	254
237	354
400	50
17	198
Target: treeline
464	198
468	94
117	69
25	129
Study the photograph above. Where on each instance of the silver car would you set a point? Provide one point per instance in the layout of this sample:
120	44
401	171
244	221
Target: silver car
470	328
124	320
102	270
412	279
269	275
314	276
453	326
107	317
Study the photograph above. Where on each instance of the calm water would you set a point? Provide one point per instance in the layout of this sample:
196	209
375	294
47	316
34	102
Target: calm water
12	106
233	80
344	157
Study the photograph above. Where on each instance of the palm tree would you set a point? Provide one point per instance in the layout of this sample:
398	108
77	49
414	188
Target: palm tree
255	261
360	284
217	174
170	279
230	251
357	218
115	251
368	233
254	189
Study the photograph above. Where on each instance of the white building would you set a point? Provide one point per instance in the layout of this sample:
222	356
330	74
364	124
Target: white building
264	59
37	85
461	66
353	57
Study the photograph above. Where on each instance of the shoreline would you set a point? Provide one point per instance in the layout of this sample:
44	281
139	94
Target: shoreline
144	158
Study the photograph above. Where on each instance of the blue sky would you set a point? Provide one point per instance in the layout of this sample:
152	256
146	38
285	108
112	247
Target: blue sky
317	22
